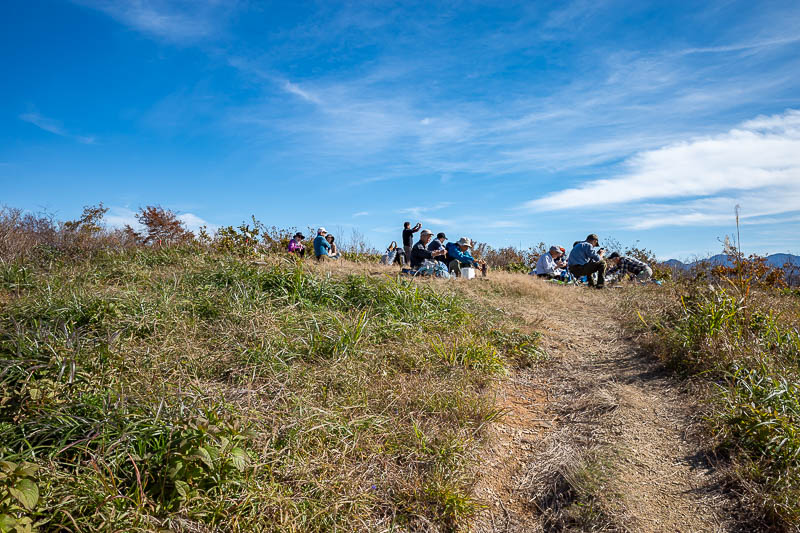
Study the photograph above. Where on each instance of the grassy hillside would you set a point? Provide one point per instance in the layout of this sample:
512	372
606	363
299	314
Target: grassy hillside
148	388
739	342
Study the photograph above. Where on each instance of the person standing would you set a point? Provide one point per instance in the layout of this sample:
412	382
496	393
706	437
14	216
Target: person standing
321	245
408	238
585	261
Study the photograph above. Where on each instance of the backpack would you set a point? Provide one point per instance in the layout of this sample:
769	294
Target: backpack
433	268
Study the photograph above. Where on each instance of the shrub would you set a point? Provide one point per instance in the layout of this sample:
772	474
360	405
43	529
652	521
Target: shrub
163	227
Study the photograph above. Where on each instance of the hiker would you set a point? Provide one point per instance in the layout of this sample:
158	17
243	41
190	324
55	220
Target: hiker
438	244
393	254
333	253
296	245
408	238
550	264
420	252
321	245
622	266
458	256
585	261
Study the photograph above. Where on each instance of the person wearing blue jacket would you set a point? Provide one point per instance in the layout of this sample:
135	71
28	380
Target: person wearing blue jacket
321	245
458	256
585	261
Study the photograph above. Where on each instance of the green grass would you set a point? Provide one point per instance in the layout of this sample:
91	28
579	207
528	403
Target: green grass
747	348
176	388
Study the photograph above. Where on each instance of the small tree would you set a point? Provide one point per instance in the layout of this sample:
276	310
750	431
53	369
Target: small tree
90	221
163	227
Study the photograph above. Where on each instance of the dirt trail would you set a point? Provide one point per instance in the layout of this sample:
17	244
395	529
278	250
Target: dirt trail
599	439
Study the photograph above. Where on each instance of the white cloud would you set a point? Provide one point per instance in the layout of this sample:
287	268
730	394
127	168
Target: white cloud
295	89
419	212
193	223
172	20
53	126
762	153
119	217
759	207
737	47
361	214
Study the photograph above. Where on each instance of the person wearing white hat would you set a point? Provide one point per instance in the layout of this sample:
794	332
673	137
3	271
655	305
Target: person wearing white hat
420	252
549	266
458	256
321	245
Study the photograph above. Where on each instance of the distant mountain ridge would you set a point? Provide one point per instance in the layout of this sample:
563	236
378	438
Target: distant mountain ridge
774	260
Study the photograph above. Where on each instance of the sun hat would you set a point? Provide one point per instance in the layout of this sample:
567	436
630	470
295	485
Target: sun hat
555	249
464	241
441	235
298	234
593	237
426	232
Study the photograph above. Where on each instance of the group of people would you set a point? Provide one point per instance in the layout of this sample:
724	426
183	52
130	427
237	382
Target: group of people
587	259
324	245
451	257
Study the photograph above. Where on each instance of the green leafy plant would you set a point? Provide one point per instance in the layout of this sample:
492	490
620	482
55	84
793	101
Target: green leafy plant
19	496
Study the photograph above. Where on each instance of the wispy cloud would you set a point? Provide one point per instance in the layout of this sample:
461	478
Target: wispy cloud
182	21
633	100
55	127
294	89
738	47
419	212
360	214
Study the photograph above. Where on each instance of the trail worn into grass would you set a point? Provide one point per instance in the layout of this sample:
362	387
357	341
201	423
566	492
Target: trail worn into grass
599	439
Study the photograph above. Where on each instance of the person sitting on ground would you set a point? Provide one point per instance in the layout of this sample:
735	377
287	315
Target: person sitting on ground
296	244
550	265
393	254
438	244
408	238
458	256
321	245
420	252
622	266
585	261
333	253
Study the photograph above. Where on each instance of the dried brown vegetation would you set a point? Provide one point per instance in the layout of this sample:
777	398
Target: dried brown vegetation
735	334
176	386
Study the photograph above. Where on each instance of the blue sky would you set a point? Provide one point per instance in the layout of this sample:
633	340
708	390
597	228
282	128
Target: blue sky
511	123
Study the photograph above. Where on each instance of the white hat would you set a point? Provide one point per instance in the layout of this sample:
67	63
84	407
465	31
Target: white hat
320	231
464	241
426	232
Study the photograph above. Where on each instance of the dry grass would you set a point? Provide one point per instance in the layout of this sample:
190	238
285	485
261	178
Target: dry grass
327	397
739	347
